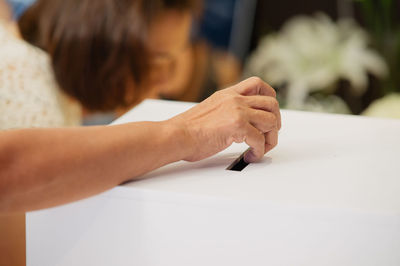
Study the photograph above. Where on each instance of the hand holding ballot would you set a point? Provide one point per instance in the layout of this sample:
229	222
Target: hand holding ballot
246	112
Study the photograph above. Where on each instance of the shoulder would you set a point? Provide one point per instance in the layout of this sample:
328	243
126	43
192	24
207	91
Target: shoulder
28	91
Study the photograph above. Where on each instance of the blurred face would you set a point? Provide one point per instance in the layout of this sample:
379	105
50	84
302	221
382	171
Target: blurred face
169	40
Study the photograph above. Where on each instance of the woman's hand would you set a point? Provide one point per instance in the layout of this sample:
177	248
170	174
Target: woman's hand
246	112
46	167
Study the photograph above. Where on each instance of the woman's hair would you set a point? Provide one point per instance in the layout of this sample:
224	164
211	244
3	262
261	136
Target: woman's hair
97	47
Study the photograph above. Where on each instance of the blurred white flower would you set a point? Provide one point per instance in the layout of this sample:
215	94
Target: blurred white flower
312	54
386	107
325	104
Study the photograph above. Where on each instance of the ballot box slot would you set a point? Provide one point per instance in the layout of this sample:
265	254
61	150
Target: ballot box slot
239	164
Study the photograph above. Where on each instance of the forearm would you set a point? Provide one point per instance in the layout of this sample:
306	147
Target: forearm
46	167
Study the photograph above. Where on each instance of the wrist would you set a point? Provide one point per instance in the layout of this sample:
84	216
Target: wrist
181	140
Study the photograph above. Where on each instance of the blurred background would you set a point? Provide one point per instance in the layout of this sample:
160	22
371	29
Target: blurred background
337	56
333	56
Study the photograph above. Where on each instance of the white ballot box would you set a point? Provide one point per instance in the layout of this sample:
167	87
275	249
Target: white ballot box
328	194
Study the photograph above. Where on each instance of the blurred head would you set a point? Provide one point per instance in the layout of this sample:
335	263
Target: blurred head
105	53
168	40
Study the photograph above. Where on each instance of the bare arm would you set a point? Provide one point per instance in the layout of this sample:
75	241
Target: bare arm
5	13
6	18
46	167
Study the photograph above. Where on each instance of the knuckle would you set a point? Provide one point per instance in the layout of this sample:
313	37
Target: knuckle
273	92
236	99
272	145
274	104
275	143
236	110
269	120
273	118
265	117
256	79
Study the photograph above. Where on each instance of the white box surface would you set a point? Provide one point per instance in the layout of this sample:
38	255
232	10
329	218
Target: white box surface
329	194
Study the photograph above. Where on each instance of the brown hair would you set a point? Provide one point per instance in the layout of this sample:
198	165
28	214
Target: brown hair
98	47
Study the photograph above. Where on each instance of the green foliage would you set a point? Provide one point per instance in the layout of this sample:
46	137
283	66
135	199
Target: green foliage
379	18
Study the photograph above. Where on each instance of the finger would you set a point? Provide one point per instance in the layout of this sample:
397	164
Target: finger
271	140
262	120
265	103
254	86
256	140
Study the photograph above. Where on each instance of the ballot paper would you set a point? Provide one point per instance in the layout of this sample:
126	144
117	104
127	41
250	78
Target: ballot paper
328	194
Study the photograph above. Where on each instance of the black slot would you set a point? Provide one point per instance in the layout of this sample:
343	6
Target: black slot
239	164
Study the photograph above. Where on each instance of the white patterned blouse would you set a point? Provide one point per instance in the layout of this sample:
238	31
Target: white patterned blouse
29	95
